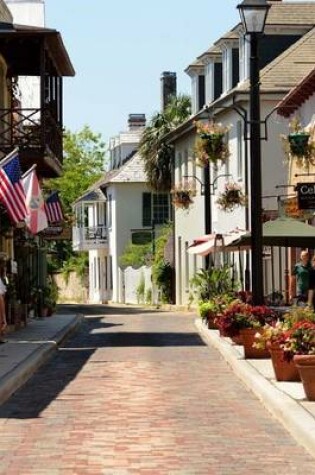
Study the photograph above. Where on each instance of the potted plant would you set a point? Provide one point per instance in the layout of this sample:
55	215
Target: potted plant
231	197
299	345
272	337
246	320
182	195
210	145
210	309
298	144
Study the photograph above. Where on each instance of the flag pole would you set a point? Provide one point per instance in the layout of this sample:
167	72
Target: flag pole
8	157
29	171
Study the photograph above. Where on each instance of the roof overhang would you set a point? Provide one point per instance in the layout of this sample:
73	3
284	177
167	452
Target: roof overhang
21	46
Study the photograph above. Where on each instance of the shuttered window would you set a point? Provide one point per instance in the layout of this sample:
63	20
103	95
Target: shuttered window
146	209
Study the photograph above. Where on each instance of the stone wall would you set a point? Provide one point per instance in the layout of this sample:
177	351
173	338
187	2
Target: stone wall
72	292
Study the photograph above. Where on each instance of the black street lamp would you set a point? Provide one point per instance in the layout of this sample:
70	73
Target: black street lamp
253	15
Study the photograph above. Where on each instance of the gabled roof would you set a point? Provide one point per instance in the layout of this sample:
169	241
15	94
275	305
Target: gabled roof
290	67
131	172
92	196
298	95
294	13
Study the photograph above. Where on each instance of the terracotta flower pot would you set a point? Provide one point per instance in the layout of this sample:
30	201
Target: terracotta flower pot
248	339
237	339
306	367
284	370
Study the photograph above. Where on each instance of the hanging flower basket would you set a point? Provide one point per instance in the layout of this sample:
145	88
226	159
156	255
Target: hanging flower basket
182	195
231	198
210	144
298	145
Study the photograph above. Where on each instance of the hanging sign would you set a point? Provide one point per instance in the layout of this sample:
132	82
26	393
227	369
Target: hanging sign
306	195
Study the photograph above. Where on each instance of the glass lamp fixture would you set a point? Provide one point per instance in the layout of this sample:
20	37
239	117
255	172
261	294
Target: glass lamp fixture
253	15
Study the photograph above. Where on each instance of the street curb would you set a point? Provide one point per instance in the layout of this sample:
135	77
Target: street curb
297	420
16	378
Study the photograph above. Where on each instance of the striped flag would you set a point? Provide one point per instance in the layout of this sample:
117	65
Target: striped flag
12	193
36	219
53	208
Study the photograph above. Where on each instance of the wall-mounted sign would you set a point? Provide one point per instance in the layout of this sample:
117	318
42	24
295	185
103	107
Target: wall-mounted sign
306	195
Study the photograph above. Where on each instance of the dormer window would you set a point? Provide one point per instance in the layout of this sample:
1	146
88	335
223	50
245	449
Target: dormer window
197	73
230	67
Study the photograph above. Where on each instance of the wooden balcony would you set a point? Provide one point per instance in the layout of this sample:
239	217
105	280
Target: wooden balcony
89	238
37	135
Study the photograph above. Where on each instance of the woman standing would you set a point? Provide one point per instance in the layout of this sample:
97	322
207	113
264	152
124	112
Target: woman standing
3	319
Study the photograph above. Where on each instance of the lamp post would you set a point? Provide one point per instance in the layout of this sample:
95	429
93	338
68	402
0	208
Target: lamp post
207	207
253	15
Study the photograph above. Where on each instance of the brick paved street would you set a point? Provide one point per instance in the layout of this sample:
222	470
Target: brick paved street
139	393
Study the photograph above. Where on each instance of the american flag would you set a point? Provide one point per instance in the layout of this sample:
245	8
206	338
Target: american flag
12	193
53	208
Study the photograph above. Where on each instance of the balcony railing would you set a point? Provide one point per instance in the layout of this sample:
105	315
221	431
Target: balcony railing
89	238
30	129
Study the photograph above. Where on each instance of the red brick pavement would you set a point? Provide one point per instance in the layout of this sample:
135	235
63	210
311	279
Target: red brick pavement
141	394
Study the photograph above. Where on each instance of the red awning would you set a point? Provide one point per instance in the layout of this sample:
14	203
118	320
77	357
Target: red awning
209	243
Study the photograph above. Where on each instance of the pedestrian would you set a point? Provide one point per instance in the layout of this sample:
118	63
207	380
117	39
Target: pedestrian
311	291
3	319
300	278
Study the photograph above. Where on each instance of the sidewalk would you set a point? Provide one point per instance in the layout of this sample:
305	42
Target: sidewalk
28	348
285	400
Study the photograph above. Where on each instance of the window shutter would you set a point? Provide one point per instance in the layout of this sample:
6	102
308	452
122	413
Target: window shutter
146	209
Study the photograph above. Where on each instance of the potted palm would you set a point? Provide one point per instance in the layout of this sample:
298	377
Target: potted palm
210	145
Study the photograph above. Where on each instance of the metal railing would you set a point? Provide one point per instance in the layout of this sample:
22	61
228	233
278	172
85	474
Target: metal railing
30	129
89	237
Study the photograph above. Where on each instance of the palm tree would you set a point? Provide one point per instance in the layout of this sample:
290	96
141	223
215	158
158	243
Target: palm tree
155	151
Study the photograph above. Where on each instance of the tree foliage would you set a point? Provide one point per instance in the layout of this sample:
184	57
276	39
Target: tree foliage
83	164
154	149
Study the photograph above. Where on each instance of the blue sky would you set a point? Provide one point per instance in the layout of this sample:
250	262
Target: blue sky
120	48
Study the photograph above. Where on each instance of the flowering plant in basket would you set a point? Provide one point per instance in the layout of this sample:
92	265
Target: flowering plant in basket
231	197
182	195
298	144
210	145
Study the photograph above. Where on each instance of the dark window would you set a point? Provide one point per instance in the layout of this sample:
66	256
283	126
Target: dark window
201	92
161	208
235	67
146	209
217	80
156	208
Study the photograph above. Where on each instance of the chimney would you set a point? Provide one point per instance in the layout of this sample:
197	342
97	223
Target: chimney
168	88
136	121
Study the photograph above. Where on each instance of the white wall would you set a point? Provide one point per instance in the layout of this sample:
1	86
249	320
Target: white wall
190	224
27	12
127	215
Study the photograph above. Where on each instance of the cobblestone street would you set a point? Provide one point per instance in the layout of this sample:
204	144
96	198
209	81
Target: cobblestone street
138	392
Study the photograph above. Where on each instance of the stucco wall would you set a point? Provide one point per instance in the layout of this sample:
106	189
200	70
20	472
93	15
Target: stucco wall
72	292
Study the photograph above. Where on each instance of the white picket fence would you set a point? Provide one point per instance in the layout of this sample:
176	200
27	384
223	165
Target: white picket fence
134	280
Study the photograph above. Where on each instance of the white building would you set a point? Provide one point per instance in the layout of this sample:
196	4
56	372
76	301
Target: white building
119	208
220	82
